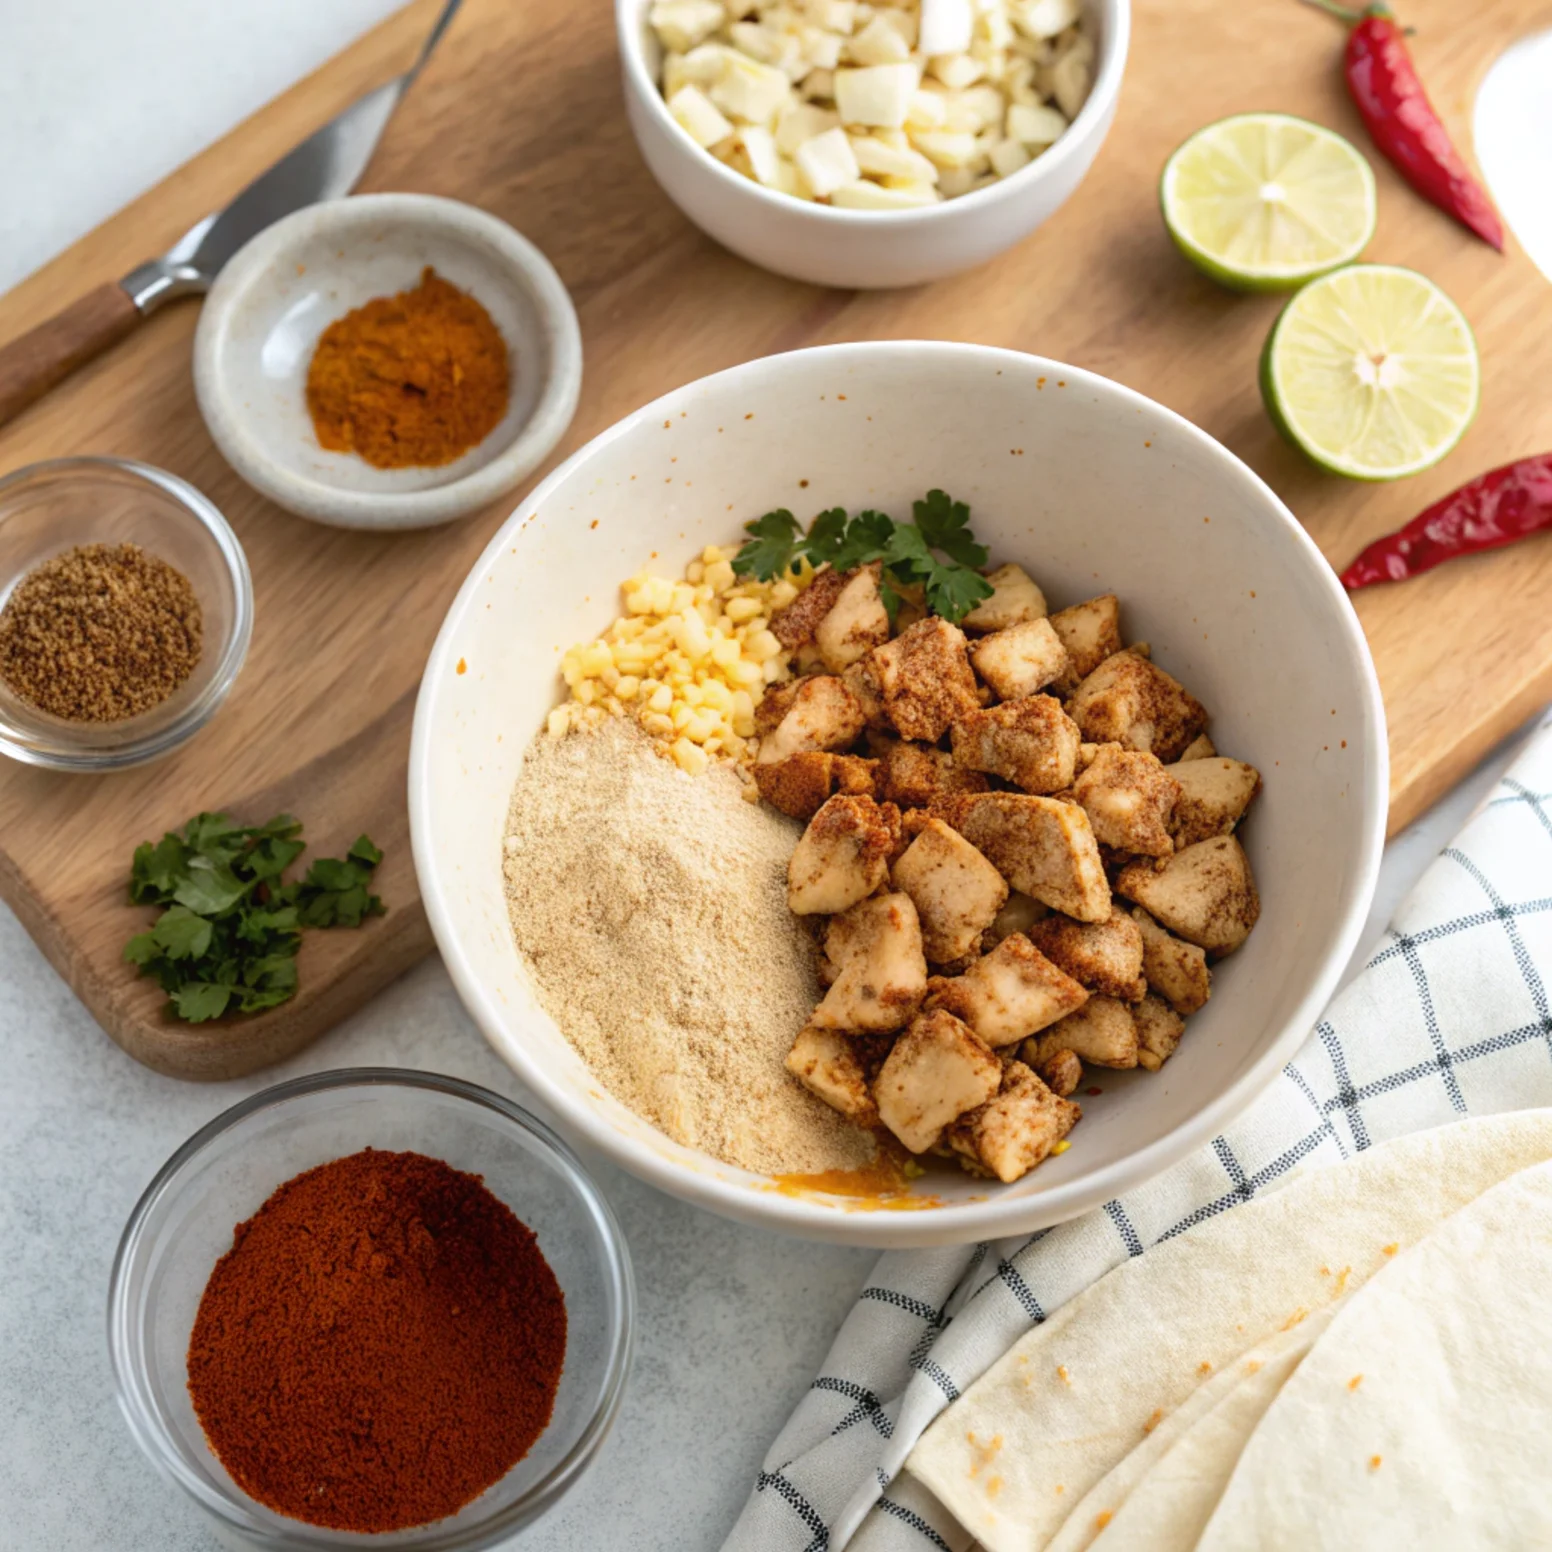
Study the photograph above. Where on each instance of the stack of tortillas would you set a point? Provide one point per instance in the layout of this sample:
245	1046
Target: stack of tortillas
1362	1359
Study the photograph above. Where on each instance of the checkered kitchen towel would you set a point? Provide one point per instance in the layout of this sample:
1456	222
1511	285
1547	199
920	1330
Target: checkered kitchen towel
1450	1018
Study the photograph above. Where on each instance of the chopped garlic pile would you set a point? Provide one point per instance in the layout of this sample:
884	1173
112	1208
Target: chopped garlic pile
874	107
689	660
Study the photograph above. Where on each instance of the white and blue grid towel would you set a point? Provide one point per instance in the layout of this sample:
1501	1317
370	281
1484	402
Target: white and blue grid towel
1449	1018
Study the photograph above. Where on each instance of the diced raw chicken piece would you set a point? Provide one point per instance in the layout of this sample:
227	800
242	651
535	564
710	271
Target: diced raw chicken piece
937	1071
1198	749
1061	1072
956	890
875	948
912	775
800	784
1019	913
821	714
1013	1132
795	625
925	680
1129	797
1032	742
1102	1033
1128	700
1204	894
1021	660
1173	968
1042	847
1015	600
856	623
1012	992
843	855
1106	957
1214	794
1159	1029
825	1064
1090	632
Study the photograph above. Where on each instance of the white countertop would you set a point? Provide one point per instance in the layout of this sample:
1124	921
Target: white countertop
98	101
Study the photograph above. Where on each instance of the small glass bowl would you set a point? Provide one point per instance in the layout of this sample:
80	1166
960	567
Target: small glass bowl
221	1175
54	506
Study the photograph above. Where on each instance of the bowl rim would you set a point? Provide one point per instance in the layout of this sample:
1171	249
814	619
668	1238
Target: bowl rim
1112	48
997	1215
150	746
145	1422
321	502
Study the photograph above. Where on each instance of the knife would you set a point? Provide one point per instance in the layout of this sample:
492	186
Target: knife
326	165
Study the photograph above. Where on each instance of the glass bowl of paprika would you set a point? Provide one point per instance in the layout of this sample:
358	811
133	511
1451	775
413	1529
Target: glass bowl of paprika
372	1306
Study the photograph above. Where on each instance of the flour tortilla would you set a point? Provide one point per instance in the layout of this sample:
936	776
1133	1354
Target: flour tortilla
1134	1343
1445	1441
1261	1371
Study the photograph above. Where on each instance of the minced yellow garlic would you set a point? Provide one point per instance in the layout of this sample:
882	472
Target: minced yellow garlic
689	660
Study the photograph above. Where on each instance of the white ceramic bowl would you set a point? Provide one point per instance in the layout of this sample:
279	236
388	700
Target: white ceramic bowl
1089	485
864	248
261	322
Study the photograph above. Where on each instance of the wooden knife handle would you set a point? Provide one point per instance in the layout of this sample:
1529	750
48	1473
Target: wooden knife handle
32	363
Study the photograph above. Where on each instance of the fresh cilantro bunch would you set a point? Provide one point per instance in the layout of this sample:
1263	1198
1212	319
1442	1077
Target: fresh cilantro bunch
934	551
230	927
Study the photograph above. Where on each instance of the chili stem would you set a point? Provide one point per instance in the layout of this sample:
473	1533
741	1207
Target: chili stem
1346	13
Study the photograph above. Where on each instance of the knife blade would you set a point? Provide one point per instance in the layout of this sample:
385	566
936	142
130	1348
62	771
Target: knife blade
327	165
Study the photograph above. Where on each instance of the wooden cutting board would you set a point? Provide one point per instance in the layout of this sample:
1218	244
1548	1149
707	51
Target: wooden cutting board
520	113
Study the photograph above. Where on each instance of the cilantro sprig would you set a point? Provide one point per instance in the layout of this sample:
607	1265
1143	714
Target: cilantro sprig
230	925
935	551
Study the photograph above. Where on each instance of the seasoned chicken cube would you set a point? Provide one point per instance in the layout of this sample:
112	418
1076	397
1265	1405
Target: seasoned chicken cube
925	679
912	775
1018	914
1102	1033
1021	660
1159	1029
795	625
937	1071
1011	1133
800	784
843	855
1200	748
822	714
825	1064
1061	1072
1013	992
1129	798
1214	794
1043	848
875	948
775	704
856	623
1032	742
1089	632
1015	600
862	680
1176	970
956	890
1204	894
1104	956
1128	700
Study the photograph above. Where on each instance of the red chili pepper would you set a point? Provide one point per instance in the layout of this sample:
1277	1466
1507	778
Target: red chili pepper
1383	82
1493	510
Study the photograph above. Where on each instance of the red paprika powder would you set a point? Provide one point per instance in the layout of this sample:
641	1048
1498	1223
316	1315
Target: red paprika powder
382	1343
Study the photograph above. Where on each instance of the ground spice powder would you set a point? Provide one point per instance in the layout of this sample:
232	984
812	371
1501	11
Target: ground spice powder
413	380
381	1344
100	633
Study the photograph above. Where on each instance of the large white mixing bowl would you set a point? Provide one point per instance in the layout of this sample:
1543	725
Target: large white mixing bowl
1092	488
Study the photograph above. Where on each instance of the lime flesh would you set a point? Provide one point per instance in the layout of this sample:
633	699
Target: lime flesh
1266	201
1372	371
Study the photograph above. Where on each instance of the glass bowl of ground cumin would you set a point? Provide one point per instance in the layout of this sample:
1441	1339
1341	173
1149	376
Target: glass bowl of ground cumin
372	1305
126	607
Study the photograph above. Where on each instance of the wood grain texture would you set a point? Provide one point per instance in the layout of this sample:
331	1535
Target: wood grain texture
50	351
519	112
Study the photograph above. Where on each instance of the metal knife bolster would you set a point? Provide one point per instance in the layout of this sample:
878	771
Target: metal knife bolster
172	275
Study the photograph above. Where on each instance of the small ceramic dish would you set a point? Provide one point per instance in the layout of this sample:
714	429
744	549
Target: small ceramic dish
264	314
183	1224
54	506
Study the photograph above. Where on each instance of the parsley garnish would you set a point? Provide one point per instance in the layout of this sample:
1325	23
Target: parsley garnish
936	551
230	926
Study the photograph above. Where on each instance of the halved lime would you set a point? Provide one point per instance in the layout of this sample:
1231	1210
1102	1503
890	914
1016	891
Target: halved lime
1265	201
1372	371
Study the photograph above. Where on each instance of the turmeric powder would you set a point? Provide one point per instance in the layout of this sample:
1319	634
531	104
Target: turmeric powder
415	379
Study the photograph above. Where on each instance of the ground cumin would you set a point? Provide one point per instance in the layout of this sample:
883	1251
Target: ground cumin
382	1343
415	379
99	633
